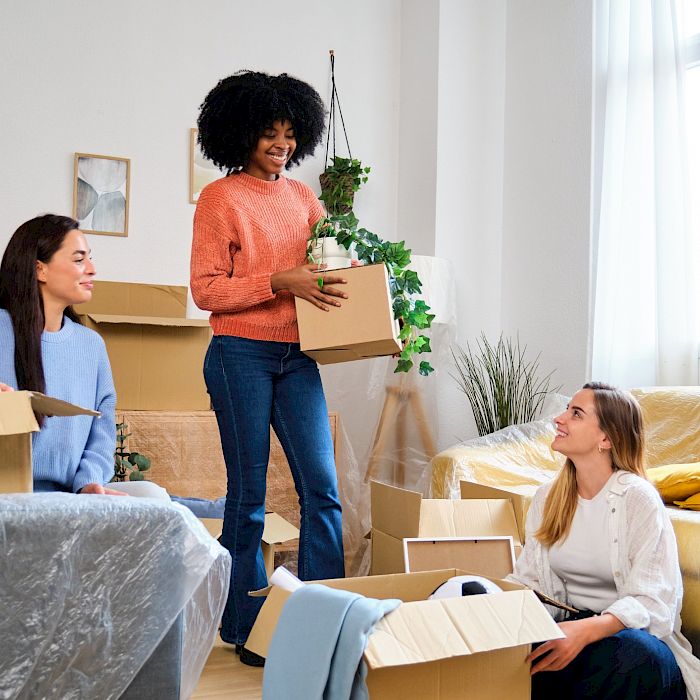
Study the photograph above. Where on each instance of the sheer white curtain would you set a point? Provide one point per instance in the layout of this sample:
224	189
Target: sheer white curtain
645	258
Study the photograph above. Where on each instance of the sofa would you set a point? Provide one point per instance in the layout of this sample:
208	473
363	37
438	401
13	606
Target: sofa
519	459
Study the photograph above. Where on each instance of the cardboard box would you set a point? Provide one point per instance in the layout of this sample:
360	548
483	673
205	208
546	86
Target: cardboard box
520	502
17	423
472	647
276	531
495	555
156	353
398	513
364	326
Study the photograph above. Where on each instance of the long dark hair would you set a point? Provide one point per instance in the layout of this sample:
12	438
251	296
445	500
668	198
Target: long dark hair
35	240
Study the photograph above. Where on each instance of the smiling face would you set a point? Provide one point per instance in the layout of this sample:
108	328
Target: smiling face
578	431
67	277
272	152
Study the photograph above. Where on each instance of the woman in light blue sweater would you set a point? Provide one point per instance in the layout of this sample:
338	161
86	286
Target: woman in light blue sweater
45	269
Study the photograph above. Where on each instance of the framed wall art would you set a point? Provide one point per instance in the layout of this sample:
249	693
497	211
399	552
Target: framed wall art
101	194
202	171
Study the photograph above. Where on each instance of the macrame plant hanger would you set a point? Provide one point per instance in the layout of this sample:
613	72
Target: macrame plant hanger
332	116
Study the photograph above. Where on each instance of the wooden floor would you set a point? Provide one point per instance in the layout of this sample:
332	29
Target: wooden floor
224	676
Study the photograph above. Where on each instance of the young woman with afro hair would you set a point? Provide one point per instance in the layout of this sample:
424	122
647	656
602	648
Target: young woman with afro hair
248	263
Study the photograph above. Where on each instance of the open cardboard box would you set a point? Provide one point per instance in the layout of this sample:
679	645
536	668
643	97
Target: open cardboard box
472	647
363	326
17	423
155	352
399	513
276	531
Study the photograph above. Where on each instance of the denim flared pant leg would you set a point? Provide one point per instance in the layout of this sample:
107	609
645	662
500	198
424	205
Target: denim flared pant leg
629	665
254	384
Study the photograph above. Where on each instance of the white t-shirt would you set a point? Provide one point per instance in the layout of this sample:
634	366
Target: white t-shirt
582	560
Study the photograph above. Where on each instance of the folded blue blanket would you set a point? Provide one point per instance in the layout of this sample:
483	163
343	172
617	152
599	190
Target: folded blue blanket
316	650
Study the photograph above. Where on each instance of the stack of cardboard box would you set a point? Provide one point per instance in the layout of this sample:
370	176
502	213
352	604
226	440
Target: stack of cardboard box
157	357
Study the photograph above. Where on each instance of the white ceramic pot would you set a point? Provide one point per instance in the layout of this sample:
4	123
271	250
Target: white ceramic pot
327	250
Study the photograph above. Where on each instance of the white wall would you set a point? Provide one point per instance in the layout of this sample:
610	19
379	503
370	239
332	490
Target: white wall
546	186
418	123
474	115
127	79
469	192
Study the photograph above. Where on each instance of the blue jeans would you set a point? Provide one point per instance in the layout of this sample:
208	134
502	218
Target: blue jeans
629	665
254	384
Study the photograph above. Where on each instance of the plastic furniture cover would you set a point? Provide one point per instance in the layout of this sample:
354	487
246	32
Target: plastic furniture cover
89	585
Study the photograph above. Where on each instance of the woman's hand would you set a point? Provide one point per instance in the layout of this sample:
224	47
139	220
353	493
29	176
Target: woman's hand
303	283
99	490
559	653
5	387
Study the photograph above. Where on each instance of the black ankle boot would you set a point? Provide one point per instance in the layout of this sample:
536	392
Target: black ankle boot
249	658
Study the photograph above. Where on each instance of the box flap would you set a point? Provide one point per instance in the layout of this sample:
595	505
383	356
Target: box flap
16	414
136	299
360	351
168	321
485	556
447	518
520	501
278	530
387	554
395	511
17	410
430	630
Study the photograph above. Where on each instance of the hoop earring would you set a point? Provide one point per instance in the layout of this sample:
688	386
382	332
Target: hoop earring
600	449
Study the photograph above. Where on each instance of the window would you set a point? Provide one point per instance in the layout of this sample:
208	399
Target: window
692	119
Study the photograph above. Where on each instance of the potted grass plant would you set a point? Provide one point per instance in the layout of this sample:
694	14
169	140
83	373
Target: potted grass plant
503	387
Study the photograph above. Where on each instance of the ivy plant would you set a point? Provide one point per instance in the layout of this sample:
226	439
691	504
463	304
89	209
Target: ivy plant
339	182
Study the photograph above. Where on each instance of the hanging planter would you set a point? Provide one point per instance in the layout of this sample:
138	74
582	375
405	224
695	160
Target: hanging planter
340	229
339	182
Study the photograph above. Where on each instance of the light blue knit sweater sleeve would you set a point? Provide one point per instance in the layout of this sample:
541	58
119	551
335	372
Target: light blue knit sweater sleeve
97	461
69	453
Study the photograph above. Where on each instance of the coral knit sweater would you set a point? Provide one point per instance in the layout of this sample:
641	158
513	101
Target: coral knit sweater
246	229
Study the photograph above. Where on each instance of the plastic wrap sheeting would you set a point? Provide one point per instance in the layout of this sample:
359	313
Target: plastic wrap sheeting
686	525
186	460
89	585
519	457
671	420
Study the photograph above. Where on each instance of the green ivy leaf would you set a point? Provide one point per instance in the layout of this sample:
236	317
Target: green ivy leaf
405	333
136	476
424	369
403	366
412	283
319	282
422	344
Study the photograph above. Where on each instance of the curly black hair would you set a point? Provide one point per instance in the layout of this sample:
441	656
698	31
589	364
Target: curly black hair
236	112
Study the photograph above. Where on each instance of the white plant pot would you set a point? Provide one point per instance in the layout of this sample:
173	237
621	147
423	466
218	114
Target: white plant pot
327	250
